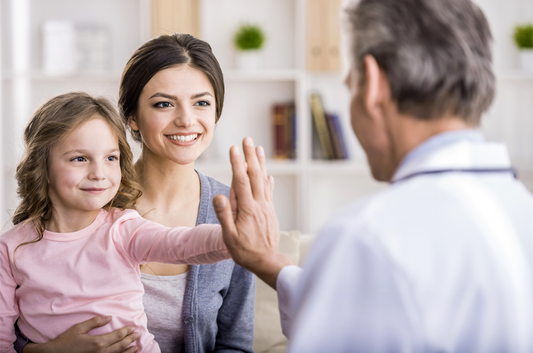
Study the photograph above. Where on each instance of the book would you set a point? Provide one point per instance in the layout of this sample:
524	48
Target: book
290	131
335	130
279	123
319	118
284	130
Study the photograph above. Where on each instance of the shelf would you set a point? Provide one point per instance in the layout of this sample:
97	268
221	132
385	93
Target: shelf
514	76
229	76
262	75
274	167
40	76
292	167
325	167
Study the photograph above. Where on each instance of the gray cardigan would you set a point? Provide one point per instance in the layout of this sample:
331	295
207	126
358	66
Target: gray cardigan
218	306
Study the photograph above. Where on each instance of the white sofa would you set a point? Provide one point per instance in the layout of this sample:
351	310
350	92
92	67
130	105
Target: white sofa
267	335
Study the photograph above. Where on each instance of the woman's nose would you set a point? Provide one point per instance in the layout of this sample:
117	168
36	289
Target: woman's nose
184	117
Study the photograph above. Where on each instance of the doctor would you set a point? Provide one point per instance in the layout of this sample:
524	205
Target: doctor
440	261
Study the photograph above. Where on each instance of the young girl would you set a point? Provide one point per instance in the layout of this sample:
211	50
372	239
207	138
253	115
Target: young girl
76	246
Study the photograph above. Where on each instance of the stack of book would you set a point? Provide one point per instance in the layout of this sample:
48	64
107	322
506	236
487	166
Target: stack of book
284	123
328	131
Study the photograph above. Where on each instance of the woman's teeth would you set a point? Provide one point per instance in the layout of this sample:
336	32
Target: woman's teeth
182	138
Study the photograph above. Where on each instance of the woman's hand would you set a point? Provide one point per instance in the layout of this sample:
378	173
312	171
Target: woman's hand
76	340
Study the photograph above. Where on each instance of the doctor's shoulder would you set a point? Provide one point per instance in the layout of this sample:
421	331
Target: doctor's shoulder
356	215
373	215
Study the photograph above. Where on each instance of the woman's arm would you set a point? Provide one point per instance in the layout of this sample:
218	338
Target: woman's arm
76	340
236	315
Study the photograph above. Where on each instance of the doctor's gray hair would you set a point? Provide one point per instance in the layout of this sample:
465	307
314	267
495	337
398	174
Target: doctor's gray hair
435	53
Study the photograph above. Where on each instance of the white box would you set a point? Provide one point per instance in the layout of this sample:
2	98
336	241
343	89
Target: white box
59	47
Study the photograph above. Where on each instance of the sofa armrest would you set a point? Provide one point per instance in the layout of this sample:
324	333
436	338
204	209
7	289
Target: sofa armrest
306	241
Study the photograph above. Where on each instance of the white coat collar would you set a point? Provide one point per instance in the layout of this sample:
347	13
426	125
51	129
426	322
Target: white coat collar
459	155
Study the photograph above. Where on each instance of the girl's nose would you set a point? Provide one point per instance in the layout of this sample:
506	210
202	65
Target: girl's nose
97	171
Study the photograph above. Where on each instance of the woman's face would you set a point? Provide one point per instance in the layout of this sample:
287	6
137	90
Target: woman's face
176	114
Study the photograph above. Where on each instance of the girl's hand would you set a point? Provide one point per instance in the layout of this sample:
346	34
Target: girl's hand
76	340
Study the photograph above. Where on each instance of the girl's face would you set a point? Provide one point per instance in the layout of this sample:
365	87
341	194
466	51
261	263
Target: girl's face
176	114
84	168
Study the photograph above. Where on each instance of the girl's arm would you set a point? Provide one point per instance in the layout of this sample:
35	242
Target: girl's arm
76	340
147	241
9	311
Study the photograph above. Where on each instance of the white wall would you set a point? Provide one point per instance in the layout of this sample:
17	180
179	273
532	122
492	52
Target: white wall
510	119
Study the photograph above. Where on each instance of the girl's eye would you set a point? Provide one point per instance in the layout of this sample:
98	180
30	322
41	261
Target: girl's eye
162	105
78	159
112	158
203	103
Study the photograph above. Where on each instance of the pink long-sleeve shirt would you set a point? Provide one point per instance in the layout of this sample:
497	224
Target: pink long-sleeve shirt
67	278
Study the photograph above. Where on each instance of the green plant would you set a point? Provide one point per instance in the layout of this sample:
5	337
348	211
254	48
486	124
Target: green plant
249	37
523	36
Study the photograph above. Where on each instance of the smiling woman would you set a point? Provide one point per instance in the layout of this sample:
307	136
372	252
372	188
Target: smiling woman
171	97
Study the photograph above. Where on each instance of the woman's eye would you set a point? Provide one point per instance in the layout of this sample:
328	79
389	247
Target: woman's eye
203	103
162	105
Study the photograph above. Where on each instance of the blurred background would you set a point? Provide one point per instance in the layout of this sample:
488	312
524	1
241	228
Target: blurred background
283	68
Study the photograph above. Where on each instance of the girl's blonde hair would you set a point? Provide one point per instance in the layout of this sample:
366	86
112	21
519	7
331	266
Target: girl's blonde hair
51	122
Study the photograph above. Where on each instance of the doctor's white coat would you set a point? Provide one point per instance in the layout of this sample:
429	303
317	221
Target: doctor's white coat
438	262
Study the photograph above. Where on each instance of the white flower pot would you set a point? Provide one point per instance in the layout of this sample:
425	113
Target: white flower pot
526	60
249	60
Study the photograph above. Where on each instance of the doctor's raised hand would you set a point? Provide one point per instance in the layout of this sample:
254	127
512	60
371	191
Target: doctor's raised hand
249	222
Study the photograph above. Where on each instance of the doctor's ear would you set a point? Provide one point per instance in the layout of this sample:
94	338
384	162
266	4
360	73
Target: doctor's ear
376	86
132	123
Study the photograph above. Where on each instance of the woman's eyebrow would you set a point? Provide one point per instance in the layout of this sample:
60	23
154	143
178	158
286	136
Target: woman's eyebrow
164	95
198	95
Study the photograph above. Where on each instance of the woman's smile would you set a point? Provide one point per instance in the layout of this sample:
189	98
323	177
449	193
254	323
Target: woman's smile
184	139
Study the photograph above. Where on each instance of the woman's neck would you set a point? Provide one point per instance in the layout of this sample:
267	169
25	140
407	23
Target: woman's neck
169	189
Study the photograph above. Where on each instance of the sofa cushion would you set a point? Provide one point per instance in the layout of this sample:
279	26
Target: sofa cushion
267	333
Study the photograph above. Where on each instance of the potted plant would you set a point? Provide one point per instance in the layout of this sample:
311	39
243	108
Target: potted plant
249	40
523	37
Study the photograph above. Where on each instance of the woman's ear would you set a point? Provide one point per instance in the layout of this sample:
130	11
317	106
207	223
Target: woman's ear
132	123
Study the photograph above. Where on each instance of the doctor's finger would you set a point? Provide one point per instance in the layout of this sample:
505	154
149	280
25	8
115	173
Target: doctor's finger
269	190
233	201
240	182
269	187
260	153
255	174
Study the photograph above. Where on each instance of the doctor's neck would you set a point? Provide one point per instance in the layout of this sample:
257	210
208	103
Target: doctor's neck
407	132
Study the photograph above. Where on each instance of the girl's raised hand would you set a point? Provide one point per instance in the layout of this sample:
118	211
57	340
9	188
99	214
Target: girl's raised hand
76	340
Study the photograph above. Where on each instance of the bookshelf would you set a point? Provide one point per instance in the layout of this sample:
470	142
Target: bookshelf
308	191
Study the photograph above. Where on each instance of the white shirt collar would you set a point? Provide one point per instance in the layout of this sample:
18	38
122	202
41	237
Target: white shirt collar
463	149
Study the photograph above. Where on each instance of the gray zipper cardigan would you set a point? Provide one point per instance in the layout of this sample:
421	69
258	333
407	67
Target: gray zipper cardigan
218	306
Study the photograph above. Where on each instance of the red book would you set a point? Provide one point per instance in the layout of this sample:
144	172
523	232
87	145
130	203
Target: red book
278	119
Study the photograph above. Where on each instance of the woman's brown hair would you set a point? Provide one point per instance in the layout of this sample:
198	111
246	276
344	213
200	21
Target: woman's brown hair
51	122
161	53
